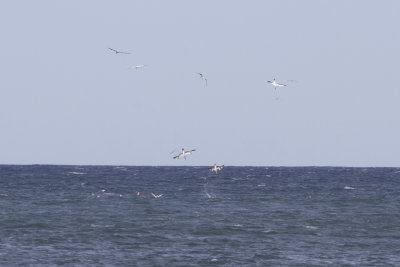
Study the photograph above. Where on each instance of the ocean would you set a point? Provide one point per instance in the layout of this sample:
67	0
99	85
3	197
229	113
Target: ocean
242	216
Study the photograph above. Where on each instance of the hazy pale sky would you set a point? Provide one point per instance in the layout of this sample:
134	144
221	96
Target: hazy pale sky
67	99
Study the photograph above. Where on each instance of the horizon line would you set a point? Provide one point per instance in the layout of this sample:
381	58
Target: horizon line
255	166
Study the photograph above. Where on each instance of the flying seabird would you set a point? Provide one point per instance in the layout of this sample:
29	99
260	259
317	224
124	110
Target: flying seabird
156	196
202	77
139	66
118	51
184	153
276	84
216	168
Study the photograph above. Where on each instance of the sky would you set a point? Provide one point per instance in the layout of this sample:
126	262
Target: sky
65	98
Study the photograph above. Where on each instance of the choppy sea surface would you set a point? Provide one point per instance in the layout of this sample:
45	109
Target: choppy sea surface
242	216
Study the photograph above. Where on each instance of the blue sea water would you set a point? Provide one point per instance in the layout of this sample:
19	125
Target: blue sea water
242	216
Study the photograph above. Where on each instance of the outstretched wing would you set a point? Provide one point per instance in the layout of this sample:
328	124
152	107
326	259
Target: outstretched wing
118	51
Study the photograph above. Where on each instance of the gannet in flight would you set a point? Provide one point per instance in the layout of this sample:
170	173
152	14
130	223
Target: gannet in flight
156	196
140	66
202	77
216	168
118	51
276	84
184	153
136	67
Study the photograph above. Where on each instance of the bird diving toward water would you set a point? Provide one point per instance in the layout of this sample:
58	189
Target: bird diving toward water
276	84
118	51
216	168
202	77
184	153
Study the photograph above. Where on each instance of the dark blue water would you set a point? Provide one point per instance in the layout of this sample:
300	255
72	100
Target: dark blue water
244	216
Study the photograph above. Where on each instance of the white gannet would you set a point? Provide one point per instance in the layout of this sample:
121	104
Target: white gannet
216	168
118	51
276	84
202	77
184	153
137	67
156	196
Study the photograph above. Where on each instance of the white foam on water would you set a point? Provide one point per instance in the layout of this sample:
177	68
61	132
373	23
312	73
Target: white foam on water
349	188
77	173
101	225
112	194
208	195
267	231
